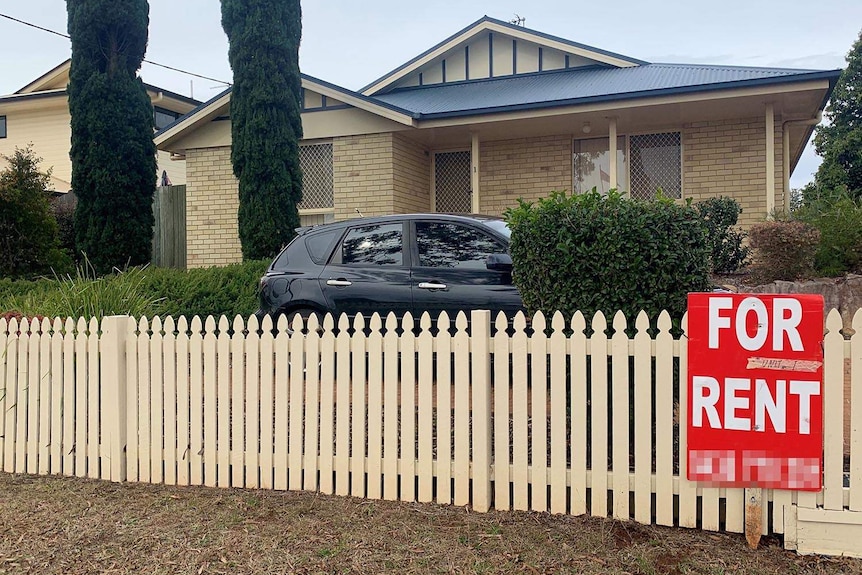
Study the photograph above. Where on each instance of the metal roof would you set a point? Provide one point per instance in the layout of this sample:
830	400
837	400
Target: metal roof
583	85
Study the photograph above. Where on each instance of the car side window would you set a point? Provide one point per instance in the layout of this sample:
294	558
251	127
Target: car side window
380	244
318	245
450	245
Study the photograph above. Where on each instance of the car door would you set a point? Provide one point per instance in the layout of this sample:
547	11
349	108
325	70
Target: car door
450	270
369	271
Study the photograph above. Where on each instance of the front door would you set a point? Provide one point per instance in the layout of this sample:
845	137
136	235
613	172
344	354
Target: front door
452	183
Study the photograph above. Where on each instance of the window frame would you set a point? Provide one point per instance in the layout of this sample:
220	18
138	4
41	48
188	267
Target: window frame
627	136
4	127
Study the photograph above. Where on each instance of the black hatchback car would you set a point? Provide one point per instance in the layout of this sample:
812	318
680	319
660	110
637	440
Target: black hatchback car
416	262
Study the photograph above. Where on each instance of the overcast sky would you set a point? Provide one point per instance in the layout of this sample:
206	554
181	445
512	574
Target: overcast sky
351	43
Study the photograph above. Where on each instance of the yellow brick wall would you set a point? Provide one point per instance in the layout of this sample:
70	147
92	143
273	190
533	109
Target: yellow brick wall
363	175
728	158
529	168
411	177
212	201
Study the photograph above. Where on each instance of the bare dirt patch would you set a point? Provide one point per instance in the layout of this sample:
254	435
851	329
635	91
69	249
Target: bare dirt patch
72	526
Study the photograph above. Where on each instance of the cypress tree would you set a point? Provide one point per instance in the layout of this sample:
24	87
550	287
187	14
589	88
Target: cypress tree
113	154
266	125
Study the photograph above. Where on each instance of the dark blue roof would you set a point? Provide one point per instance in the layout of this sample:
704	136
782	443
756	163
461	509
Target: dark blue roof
584	85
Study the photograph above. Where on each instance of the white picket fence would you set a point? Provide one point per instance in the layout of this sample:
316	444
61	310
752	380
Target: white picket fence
517	419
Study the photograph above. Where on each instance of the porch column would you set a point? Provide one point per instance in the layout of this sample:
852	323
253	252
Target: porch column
770	160
474	173
612	151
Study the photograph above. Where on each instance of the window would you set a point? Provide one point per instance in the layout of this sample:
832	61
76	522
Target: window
164	118
645	164
316	163
447	245
656	163
318	245
592	162
372	245
2	126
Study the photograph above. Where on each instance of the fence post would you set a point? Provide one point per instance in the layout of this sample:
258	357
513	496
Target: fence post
115	330
480	344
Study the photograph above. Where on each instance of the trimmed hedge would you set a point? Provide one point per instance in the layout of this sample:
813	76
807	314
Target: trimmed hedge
783	251
592	253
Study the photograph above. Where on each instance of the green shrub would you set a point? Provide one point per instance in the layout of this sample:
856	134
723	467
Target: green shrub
29	245
838	217
783	250
230	291
720	215
86	295
594	253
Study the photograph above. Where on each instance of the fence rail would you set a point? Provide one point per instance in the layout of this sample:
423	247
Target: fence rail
551	417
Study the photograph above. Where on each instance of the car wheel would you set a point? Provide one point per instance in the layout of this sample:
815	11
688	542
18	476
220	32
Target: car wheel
304	313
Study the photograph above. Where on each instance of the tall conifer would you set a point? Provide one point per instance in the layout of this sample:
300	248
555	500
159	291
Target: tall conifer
113	154
266	127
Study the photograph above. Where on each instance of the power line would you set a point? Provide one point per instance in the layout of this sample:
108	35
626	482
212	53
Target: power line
31	25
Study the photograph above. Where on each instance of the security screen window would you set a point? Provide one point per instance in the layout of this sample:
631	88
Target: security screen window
646	164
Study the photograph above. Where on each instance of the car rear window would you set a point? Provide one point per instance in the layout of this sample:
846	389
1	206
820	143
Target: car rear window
319	245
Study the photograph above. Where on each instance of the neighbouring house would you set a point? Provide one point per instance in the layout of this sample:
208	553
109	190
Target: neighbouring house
498	112
38	114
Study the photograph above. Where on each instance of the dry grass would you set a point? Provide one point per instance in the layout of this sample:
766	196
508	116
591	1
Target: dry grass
71	526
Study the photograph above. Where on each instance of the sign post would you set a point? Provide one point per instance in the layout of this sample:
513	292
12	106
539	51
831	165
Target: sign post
755	400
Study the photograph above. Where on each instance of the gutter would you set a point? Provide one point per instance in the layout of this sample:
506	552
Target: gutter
785	141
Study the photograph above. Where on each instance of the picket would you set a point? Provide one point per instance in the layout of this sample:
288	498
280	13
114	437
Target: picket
327	405
425	402
282	393
33	390
621	413
833	403
444	409
297	368
260	349
643	386
461	345
196	402
539	415
157	401
312	406
210	382
169	404
664	422
375	408
243	355
578	414
855	413
93	402
45	396
520	433
557	358
70	398
357	409
183	401
57	389
502	439
599	416
223	402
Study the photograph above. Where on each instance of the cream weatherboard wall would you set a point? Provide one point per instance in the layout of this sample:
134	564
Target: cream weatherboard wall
48	129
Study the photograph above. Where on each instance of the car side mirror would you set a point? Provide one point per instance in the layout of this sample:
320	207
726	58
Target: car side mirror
499	262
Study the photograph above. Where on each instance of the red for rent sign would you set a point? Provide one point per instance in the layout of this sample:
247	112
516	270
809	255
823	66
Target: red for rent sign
755	390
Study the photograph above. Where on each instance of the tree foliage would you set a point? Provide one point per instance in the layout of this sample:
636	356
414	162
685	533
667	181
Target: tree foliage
113	154
266	125
840	141
29	243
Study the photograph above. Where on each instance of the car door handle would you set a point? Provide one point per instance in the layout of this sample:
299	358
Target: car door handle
430	285
339	283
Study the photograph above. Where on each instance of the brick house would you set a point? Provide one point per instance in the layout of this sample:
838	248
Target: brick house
497	112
